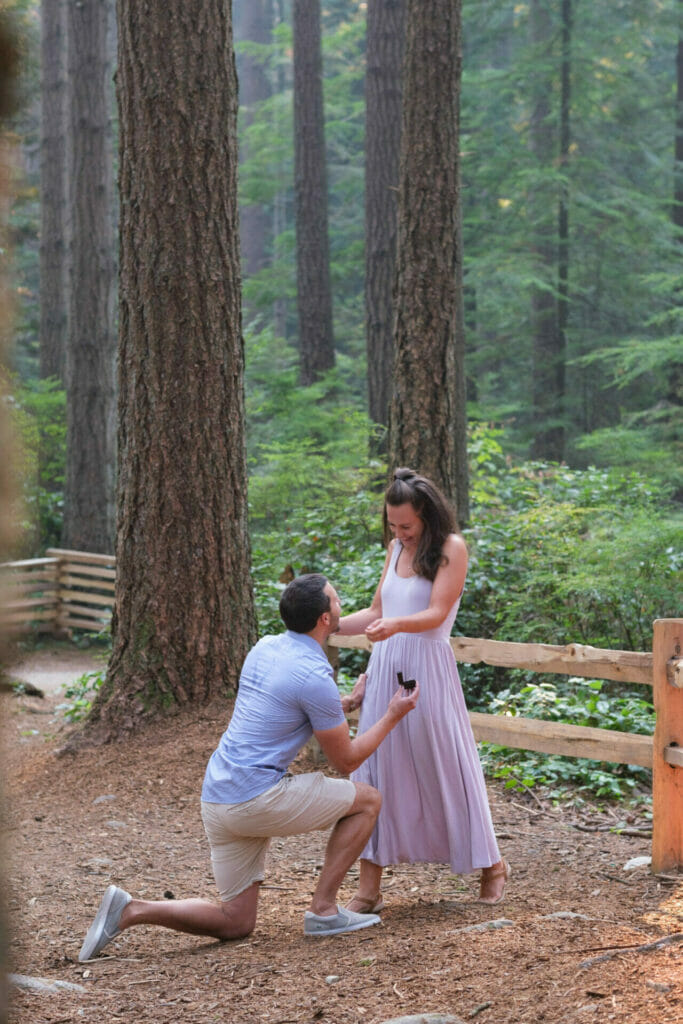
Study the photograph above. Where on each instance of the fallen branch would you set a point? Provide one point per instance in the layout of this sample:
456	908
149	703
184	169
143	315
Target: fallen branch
649	947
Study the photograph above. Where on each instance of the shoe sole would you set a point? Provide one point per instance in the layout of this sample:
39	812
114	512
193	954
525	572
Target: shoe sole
96	929
340	931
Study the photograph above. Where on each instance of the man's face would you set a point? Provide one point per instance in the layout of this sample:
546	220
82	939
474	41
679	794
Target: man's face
335	608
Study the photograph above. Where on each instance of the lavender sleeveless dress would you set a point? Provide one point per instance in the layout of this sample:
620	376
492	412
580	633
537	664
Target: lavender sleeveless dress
434	807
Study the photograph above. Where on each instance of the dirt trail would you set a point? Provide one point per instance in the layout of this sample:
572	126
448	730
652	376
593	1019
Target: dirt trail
129	814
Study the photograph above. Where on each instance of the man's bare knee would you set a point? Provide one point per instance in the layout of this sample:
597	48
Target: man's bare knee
367	799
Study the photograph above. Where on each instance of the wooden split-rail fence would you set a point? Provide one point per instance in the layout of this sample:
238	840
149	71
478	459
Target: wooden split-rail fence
75	590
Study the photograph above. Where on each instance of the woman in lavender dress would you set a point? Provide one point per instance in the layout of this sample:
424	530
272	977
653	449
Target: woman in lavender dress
434	803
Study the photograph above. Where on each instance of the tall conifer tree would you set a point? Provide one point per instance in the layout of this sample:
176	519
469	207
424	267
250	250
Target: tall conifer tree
428	415
384	55
184	616
314	293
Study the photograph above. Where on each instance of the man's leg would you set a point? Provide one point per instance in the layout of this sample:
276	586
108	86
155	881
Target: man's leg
231	919
348	838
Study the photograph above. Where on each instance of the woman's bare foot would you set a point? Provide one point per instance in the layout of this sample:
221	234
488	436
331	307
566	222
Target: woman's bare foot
366	905
493	882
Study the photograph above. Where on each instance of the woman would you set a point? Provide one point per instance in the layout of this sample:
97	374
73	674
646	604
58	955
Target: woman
435	808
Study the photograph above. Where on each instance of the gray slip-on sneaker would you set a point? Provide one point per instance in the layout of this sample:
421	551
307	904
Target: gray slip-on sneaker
105	927
343	921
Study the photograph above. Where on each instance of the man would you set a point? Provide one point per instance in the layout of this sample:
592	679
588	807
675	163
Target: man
286	693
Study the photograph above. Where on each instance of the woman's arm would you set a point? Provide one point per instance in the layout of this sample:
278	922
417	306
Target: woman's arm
356	623
447	588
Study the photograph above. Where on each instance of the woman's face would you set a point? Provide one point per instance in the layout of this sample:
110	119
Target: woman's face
405	524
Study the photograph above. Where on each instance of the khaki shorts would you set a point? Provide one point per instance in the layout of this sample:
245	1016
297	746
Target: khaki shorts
239	834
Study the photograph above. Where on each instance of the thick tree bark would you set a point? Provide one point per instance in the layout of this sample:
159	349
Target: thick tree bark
91	349
253	22
428	401
184	616
9	66
314	294
548	352
384	56
54	216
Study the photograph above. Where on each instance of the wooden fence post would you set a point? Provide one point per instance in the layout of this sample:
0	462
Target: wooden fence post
667	760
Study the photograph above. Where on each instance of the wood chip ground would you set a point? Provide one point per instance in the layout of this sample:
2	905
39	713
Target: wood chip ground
129	814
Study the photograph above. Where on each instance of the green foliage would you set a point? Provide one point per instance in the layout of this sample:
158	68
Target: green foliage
80	695
557	554
38	409
581	702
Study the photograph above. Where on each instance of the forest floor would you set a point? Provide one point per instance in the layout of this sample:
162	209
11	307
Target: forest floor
129	813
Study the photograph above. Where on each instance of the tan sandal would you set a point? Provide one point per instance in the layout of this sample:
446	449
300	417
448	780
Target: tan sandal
371	905
503	872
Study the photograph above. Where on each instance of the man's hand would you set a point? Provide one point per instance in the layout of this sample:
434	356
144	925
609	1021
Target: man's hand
403	701
354	699
381	629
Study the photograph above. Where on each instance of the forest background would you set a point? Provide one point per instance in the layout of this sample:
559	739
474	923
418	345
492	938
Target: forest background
570	136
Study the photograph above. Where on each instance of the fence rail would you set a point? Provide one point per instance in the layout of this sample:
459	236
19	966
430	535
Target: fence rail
662	668
63	591
75	589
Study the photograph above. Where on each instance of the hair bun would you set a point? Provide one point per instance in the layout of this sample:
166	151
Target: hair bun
402	473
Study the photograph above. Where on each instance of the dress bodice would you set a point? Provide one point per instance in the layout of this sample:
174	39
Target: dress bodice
407	595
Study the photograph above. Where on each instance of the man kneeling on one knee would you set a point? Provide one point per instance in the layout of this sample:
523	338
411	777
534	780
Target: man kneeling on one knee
286	693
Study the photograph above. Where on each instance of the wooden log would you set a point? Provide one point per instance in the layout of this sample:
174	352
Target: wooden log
28	563
560	738
673	755
84	610
359	642
572	660
674	672
21	579
100	572
16	618
77	581
64	555
73	622
69	596
12	595
667	775
33	602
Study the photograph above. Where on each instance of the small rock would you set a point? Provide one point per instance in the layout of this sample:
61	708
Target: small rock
331	978
486	926
97	865
565	915
426	1018
658	986
104	798
116	824
637	862
46	985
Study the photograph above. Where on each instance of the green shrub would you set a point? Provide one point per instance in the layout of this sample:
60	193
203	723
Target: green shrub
582	702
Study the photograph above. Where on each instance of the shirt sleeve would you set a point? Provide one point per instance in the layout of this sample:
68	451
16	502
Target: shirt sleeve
321	701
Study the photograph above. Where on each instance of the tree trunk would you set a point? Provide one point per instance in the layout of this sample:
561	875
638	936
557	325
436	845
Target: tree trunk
54	239
548	354
9	67
184	615
563	215
253	21
428	401
678	143
384	55
314	295
91	349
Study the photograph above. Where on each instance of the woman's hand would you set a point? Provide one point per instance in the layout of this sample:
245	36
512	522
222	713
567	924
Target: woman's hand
381	629
354	699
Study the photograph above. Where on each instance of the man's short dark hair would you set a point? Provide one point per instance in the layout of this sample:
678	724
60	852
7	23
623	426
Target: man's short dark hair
303	601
